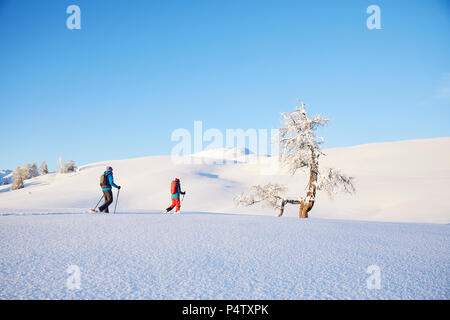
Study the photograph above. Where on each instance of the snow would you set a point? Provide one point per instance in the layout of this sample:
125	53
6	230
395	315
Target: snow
214	250
406	181
219	256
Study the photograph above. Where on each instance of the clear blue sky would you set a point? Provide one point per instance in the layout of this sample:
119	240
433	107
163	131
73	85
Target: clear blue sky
137	70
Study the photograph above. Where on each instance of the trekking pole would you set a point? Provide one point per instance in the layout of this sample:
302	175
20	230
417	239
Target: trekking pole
98	203
117	200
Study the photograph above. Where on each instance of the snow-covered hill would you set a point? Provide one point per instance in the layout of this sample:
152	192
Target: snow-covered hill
405	181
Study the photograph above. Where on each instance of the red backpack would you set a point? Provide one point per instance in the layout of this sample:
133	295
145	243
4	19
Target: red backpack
174	187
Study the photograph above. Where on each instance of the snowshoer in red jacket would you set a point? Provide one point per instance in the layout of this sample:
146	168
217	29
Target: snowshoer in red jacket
175	190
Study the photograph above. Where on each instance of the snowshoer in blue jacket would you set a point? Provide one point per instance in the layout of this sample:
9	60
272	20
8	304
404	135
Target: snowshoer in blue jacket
107	182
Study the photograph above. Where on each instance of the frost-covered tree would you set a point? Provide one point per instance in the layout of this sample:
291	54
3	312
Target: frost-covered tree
43	169
270	195
60	165
17	180
26	171
300	151
69	167
34	170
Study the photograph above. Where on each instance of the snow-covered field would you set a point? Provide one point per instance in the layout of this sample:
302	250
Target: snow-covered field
219	256
214	250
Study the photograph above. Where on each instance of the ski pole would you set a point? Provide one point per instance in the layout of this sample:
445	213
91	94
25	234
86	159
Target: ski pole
117	200
99	202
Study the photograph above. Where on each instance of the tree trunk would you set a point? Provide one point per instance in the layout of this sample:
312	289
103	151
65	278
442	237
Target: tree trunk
283	203
307	204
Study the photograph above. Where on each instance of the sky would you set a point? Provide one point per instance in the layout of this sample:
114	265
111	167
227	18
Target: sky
138	70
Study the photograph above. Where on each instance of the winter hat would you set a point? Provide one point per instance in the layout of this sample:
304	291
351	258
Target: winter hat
108	168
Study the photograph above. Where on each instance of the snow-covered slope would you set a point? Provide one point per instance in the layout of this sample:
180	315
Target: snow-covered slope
405	181
207	253
219	256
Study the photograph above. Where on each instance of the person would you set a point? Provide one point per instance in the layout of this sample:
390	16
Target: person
175	190
107	182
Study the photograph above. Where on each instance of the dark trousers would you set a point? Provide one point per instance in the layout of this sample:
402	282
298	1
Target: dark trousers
108	200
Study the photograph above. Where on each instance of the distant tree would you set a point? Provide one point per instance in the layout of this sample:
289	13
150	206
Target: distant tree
60	165
5	181
300	150
34	170
26	171
17	180
69	167
43	169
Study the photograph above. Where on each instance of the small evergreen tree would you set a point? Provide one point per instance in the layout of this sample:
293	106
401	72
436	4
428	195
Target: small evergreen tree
69	167
17	180
25	171
34	170
43	169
